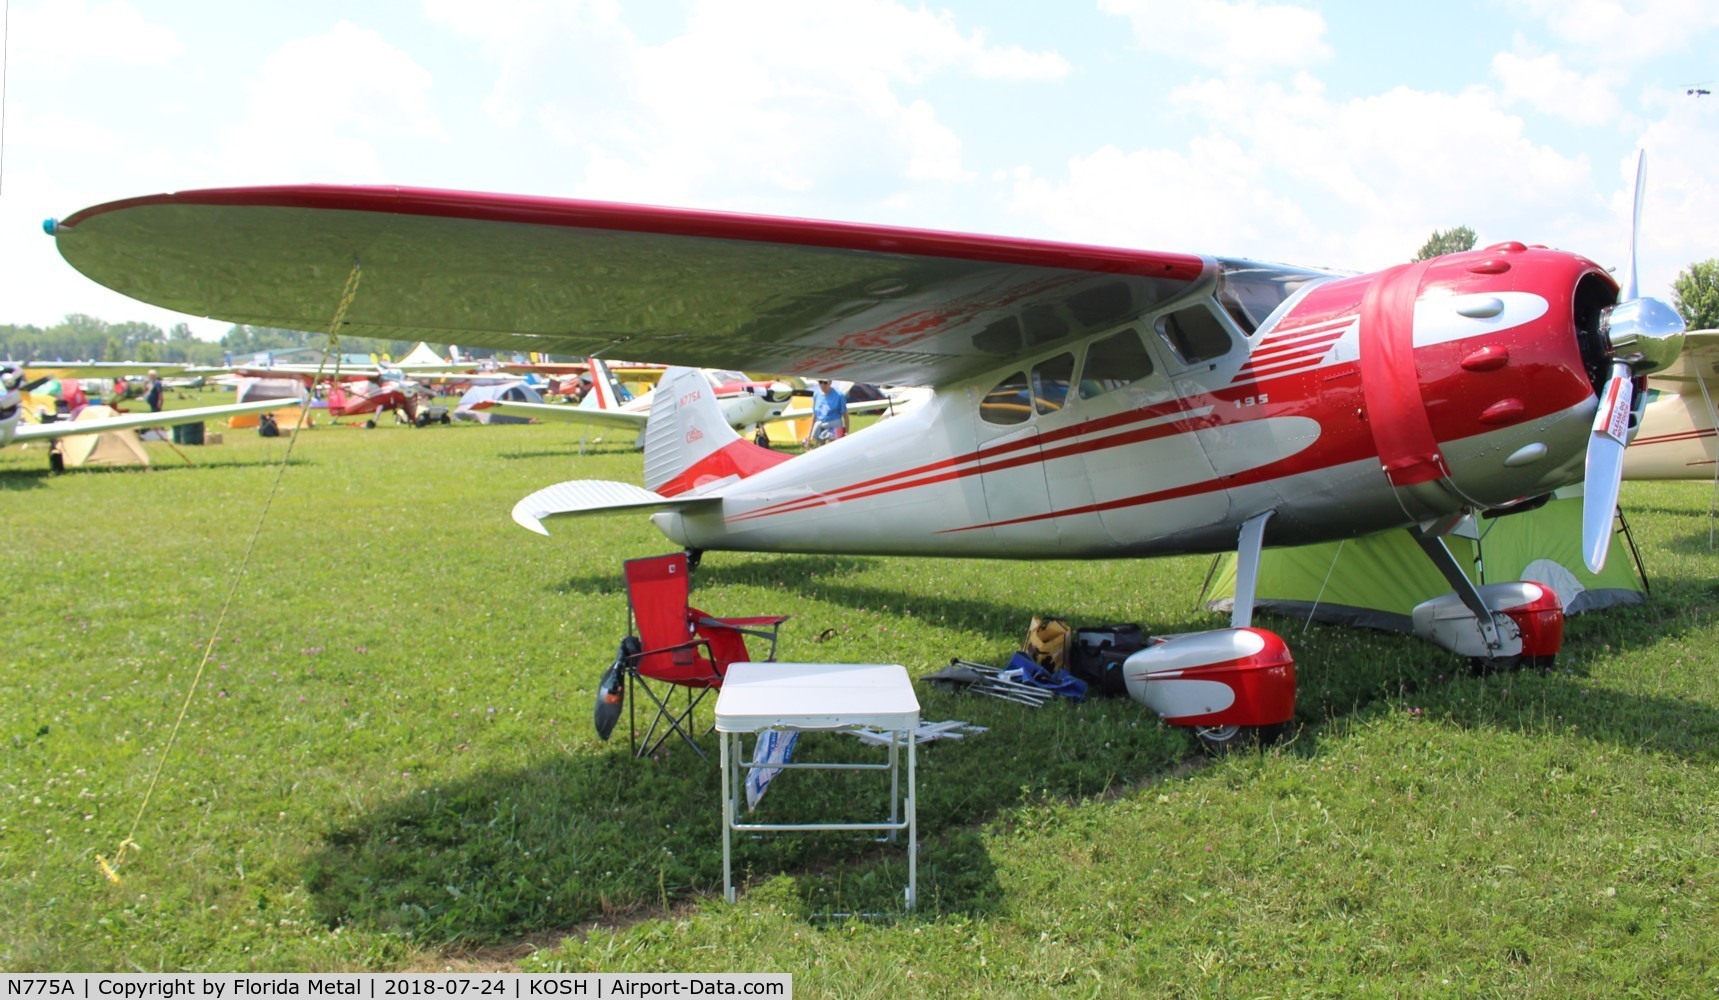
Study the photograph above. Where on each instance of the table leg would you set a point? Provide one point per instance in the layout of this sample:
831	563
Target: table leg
727	815
912	822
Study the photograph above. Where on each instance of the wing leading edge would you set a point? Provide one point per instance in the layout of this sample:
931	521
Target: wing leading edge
25	432
689	287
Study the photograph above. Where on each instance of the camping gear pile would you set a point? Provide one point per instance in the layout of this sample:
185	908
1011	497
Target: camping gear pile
1053	662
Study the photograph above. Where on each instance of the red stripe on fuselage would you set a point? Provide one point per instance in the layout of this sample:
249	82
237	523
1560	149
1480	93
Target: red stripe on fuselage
991	458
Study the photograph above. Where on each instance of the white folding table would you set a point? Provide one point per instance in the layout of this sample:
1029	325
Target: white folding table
819	696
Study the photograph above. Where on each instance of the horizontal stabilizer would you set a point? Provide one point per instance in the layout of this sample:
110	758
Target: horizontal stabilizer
594	496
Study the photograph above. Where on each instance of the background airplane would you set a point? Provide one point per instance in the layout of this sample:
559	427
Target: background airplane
21	424
1677	426
1089	402
747	404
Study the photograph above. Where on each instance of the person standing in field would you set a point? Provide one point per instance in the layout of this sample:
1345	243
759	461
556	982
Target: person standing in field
829	415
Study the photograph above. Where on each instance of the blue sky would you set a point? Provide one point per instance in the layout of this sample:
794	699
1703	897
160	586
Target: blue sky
1329	134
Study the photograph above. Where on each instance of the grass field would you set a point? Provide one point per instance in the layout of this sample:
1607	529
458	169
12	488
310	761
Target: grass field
388	762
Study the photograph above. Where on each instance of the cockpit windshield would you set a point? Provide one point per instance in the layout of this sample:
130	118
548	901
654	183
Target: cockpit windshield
1250	291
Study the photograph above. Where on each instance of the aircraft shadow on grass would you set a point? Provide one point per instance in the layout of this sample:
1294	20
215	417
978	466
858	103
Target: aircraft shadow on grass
570	450
601	839
593	837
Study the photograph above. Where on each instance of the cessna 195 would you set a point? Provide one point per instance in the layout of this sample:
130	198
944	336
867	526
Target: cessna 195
1089	402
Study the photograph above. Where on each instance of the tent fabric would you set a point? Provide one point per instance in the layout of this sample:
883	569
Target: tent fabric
422	354
513	392
1376	580
117	448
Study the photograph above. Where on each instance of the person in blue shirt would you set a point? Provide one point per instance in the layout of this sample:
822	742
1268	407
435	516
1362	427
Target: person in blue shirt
829	414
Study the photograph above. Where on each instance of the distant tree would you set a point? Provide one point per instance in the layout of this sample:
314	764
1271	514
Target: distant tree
1444	241
1696	294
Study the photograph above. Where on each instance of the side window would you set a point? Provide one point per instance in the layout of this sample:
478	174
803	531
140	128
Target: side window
1114	362
1008	402
1194	334
1050	383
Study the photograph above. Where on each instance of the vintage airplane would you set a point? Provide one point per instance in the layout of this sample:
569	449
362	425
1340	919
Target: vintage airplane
747	404
19	425
1676	440
353	392
1090	402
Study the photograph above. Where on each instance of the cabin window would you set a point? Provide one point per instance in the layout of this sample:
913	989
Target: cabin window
1050	383
1008	402
1194	334
1114	362
1250	292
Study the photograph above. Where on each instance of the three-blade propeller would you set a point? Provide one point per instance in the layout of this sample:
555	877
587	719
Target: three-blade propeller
1645	335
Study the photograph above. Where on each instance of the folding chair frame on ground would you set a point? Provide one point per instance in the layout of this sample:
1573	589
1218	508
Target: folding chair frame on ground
680	645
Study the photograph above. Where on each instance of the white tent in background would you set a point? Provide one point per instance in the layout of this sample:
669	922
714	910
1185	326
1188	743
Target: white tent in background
421	355
474	404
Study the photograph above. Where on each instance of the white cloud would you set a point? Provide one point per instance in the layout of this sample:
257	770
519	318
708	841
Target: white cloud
1624	31
1547	85
62	38
1286	173
1241	38
742	102
317	106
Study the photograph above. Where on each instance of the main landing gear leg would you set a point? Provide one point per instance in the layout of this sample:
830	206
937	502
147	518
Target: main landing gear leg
1232	686
1499	625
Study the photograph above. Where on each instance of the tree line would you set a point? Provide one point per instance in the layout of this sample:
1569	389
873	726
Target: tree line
85	338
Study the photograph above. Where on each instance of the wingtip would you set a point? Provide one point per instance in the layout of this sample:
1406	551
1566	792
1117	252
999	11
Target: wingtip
530	520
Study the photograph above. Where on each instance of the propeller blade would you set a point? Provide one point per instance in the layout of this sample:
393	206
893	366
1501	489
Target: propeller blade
1629	290
1604	474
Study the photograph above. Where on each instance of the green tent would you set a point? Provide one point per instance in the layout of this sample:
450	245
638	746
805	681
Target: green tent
1376	580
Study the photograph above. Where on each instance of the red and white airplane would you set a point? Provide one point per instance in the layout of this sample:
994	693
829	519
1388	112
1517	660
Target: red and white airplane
353	393
1089	402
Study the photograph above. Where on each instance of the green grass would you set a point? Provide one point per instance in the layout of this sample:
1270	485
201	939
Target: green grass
388	760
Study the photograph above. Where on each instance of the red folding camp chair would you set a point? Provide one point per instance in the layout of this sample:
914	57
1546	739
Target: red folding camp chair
679	645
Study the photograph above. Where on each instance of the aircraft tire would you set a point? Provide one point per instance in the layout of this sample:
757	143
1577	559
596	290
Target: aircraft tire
1220	740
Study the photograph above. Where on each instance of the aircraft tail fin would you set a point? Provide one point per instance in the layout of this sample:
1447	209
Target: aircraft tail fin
606	387
688	442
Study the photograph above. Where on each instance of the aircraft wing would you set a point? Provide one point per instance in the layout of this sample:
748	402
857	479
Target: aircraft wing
623	419
698	288
1700	357
166	418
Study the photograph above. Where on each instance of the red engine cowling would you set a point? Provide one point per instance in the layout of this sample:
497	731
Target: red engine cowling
1226	677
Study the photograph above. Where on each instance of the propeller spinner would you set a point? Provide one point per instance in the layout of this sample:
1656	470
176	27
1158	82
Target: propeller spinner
1644	335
